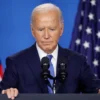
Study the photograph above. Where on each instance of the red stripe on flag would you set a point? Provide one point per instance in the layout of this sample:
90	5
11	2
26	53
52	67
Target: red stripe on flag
1	71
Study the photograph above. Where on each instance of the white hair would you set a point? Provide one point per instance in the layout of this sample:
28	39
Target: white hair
45	8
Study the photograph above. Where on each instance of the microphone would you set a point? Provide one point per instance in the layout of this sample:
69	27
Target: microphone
62	70
45	72
62	74
45	66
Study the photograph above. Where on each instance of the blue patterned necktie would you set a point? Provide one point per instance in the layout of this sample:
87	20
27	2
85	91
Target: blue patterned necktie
51	69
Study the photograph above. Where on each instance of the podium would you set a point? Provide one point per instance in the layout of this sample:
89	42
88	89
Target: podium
54	97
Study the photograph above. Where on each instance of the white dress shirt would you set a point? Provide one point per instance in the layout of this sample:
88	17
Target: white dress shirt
42	54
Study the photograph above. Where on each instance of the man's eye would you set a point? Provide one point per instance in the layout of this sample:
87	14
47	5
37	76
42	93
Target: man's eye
52	29
40	29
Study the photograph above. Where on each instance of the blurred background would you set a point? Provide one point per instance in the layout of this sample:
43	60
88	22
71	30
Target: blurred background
15	33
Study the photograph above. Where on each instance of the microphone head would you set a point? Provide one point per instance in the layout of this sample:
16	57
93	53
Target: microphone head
62	60
62	63
45	63
62	69
45	60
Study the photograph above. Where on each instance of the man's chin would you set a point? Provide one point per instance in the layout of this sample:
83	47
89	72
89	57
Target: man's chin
48	50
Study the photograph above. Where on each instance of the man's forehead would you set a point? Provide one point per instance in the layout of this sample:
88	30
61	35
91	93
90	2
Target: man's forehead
46	15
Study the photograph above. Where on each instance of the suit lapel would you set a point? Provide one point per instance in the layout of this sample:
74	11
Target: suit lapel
35	65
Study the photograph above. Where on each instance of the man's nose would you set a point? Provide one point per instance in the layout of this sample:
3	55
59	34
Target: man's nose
46	34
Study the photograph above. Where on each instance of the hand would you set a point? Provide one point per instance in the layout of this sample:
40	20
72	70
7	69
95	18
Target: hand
99	91
11	93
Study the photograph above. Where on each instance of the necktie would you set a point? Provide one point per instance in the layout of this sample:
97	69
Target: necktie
51	69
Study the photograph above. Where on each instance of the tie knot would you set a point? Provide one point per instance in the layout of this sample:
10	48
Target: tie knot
50	57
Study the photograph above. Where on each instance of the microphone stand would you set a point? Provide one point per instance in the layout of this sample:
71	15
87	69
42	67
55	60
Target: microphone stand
46	74
62	77
54	85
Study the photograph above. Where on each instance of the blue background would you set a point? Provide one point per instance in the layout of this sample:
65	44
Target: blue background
15	15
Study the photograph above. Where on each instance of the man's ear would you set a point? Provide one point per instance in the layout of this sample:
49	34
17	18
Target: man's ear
32	30
62	28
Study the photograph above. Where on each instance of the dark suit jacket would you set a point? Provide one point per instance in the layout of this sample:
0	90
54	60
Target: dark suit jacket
23	72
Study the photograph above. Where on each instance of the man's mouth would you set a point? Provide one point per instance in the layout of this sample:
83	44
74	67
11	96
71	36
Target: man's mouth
46	43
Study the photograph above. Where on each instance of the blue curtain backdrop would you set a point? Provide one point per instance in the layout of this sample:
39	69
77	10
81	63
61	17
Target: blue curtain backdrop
15	33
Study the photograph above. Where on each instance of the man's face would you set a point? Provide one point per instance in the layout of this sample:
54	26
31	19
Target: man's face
47	28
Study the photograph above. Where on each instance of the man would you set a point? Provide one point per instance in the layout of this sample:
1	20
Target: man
23	71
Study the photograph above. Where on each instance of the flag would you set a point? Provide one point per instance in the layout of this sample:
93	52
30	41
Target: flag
86	33
1	71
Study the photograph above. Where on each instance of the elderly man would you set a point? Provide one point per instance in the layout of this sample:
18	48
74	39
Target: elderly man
23	71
